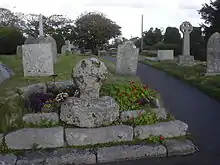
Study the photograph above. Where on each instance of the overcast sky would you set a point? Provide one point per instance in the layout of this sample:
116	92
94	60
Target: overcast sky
126	13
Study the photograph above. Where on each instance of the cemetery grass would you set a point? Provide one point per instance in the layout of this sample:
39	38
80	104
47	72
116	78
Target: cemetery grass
194	75
12	110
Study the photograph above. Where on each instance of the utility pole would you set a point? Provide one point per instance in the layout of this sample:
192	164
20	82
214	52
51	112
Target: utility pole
142	23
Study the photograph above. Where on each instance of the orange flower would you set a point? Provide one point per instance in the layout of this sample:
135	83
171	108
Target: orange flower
161	138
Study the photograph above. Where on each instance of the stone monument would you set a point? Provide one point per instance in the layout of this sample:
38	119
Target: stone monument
165	55
213	55
186	59
90	110
41	29
127	58
37	60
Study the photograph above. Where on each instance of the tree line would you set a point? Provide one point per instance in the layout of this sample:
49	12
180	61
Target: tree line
94	30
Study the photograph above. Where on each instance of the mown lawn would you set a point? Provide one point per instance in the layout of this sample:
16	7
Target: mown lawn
192	75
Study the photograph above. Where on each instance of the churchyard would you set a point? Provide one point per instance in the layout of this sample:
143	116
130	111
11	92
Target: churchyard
87	110
203	75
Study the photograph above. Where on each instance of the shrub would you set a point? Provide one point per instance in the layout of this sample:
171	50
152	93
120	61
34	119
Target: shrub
161	46
10	38
130	96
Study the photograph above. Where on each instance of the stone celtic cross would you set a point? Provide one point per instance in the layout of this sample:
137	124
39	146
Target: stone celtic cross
186	28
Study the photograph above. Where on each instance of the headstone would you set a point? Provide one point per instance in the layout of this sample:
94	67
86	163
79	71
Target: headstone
51	40
127	59
68	45
37	60
5	72
165	55
19	50
90	110
30	40
213	55
186	59
64	49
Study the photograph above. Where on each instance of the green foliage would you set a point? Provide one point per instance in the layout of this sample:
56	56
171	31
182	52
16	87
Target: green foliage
197	44
172	36
94	30
193	75
161	46
210	14
10	38
152	36
129	96
144	118
59	41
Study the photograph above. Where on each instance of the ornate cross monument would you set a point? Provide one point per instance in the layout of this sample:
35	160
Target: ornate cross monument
41	30
186	59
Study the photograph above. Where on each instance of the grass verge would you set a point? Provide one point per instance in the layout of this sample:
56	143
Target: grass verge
194	75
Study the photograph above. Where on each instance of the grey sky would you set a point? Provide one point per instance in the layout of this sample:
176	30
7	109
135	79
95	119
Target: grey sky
126	13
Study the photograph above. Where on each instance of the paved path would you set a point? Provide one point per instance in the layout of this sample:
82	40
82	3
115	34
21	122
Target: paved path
187	104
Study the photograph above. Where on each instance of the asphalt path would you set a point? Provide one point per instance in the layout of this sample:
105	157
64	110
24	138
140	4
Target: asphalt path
189	105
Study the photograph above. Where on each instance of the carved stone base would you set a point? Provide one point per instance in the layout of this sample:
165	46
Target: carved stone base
186	60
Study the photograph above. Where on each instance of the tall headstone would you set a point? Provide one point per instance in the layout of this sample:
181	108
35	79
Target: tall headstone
186	59
37	60
127	59
68	45
213	55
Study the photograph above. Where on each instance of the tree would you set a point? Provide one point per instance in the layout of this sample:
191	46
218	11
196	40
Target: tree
94	30
152	36
210	13
10	38
197	44
9	19
53	25
172	36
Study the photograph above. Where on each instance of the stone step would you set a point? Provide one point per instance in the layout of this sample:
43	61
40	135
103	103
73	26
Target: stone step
101	155
166	129
86	136
40	137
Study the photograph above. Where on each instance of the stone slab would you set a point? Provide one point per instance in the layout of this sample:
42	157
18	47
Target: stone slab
179	147
85	136
61	156
186	60
8	159
127	115
42	137
38	118
161	113
116	153
71	156
165	55
37	60
166	129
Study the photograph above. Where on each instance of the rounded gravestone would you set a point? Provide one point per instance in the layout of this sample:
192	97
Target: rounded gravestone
88	75
213	54
30	40
51	40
